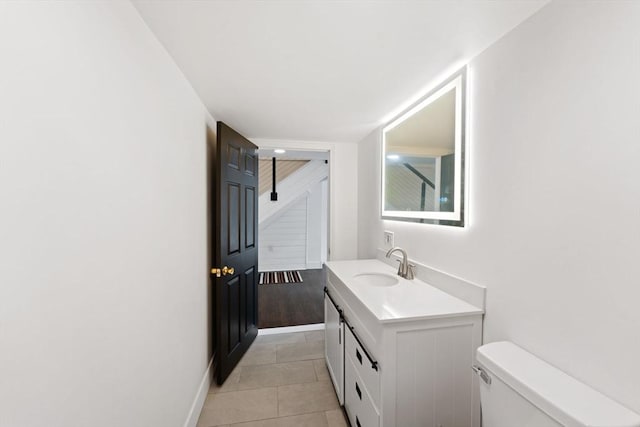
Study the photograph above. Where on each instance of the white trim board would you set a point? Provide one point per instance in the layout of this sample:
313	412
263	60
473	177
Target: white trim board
342	221
289	329
201	396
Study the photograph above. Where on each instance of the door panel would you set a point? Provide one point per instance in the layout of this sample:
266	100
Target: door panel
250	215
251	302
234	312
250	164
236	248
233	157
234	217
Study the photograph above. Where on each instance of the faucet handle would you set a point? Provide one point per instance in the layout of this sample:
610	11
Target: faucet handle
411	272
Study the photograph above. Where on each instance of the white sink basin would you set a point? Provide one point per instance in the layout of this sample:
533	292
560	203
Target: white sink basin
376	279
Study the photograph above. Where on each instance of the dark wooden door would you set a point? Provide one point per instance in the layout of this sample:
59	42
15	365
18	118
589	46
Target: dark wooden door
235	270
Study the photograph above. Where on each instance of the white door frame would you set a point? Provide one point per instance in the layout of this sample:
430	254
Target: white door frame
270	144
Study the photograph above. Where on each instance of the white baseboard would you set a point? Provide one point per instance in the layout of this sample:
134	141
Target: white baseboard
201	396
289	329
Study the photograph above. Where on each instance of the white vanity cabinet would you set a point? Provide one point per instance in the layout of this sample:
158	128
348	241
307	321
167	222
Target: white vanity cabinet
407	360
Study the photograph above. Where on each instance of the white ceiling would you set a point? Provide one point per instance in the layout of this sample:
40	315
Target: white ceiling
322	70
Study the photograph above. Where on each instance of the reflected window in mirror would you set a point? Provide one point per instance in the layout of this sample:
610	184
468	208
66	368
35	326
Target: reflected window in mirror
423	158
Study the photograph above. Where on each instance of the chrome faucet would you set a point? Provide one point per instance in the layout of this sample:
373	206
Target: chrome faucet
405	269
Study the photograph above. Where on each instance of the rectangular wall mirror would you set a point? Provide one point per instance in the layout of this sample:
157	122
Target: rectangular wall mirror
423	158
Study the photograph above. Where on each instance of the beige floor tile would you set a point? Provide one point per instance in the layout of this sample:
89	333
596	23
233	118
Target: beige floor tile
290	338
230	384
301	351
336	418
239	406
272	422
316	419
259	354
306	398
314	336
320	367
276	374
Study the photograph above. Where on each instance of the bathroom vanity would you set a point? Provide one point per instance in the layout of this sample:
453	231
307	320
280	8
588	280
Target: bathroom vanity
400	352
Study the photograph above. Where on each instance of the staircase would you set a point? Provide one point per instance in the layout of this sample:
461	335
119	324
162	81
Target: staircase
292	230
285	168
291	189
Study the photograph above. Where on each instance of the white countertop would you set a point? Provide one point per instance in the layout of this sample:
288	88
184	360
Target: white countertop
407	300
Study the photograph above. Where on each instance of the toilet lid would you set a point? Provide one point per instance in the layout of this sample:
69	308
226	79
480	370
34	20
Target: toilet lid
567	400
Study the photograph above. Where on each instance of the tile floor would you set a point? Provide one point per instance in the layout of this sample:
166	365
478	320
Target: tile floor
282	381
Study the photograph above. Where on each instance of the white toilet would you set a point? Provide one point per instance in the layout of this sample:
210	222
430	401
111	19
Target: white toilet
519	390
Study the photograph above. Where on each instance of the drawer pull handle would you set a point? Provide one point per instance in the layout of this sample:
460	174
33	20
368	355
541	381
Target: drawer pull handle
358	422
374	364
359	356
358	391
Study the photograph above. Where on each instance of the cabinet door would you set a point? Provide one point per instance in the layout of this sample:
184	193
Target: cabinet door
334	345
433	384
357	399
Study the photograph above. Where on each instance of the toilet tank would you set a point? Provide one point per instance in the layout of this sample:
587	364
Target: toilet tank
521	390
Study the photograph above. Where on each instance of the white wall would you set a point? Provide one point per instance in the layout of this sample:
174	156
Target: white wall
103	245
343	187
554	227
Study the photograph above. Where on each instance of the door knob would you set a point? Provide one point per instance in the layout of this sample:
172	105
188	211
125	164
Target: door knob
219	272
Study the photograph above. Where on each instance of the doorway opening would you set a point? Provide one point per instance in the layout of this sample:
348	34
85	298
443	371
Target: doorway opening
293	222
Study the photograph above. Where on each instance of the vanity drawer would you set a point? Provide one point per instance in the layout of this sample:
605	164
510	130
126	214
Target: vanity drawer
357	401
364	365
